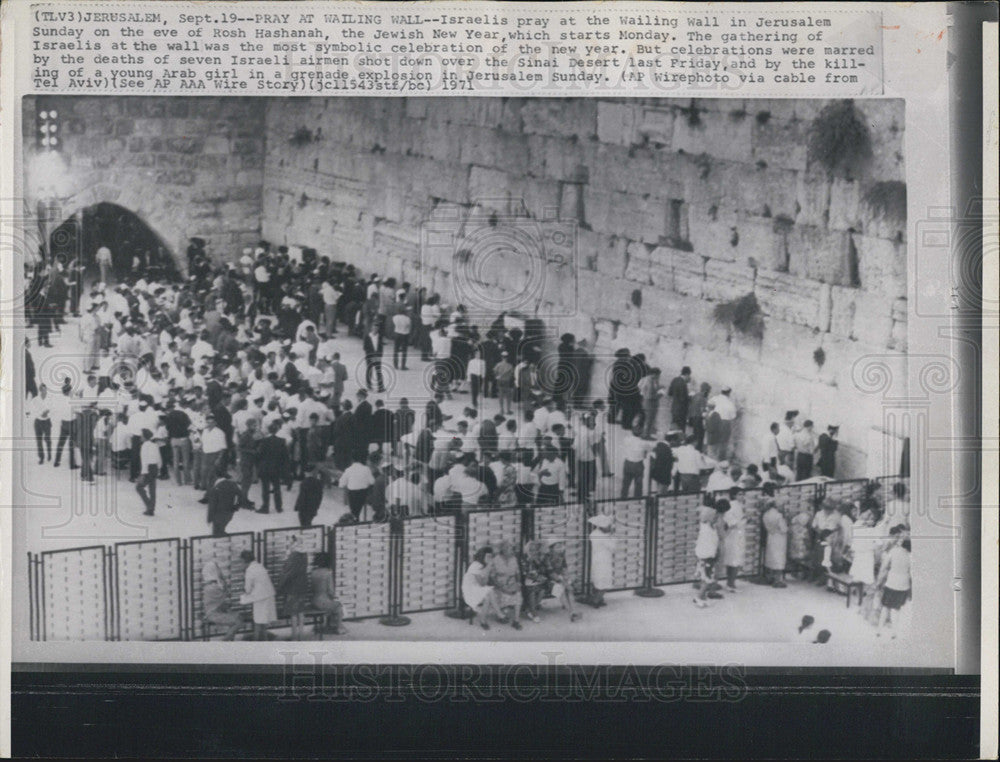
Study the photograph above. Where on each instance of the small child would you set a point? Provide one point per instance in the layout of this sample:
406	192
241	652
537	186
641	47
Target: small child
706	549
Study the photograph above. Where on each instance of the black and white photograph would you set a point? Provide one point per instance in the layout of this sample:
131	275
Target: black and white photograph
453	369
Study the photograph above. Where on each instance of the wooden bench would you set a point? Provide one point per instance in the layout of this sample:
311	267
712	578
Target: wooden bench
311	617
845	584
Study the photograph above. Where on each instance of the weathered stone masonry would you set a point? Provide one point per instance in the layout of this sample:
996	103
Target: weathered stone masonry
677	210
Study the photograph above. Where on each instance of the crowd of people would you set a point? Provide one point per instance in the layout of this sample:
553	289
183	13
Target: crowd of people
234	377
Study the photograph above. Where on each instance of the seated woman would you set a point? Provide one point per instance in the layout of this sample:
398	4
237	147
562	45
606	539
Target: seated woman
505	577
324	594
215	599
556	573
476	590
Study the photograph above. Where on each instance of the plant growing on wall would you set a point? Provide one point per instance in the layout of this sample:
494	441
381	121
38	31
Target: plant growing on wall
887	200
819	357
839	140
742	315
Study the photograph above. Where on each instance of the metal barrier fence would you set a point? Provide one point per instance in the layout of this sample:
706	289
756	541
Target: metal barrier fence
152	590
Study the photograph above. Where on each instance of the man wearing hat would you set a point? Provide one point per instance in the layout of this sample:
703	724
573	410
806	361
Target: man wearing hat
805	450
503	372
827	447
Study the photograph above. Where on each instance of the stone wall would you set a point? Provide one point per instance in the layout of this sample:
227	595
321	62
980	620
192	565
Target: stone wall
678	205
186	166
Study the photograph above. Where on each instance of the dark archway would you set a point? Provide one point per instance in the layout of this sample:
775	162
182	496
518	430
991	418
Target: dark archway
123	232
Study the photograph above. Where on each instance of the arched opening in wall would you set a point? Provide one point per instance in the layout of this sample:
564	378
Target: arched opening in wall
134	245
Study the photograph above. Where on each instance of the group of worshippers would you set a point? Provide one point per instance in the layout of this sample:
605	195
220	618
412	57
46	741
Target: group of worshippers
299	589
795	451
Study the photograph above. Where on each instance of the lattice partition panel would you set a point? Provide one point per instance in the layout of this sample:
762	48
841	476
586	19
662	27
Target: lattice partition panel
565	522
753	531
149	590
75	602
630	532
793	498
225	551
678	532
851	491
490	527
428	563
362	569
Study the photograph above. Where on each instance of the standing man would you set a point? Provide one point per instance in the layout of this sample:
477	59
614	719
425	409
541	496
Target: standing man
339	377
805	450
636	449
680	400
224	498
272	466
651	391
40	410
373	357
357	480
310	496
690	463
402	326
828	445
149	456
785	439
246	448
586	447
213	446
726	409
61	411
503	372
696	415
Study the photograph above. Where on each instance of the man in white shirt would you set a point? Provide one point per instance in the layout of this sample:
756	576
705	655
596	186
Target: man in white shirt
785	439
636	450
62	414
689	463
720	480
401	327
357	480
149	455
213	445
806	443
552	478
585	449
331	296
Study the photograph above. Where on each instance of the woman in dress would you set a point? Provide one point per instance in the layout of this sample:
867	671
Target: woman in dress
324	594
602	552
294	585
535	579
505	578
557	574
734	541
477	592
776	549
863	564
895	578
260	592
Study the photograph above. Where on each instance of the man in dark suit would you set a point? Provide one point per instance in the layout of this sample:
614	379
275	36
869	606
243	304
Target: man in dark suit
361	433
224	497
272	467
381	424
373	357
310	496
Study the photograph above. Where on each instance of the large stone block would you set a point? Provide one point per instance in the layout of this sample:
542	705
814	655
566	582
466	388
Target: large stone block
781	143
720	135
872	319
760	243
607	298
657	126
790	347
688	273
637	263
727	280
813	198
564	117
710	231
881	266
789	298
616	123
845	205
606	253
818	254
